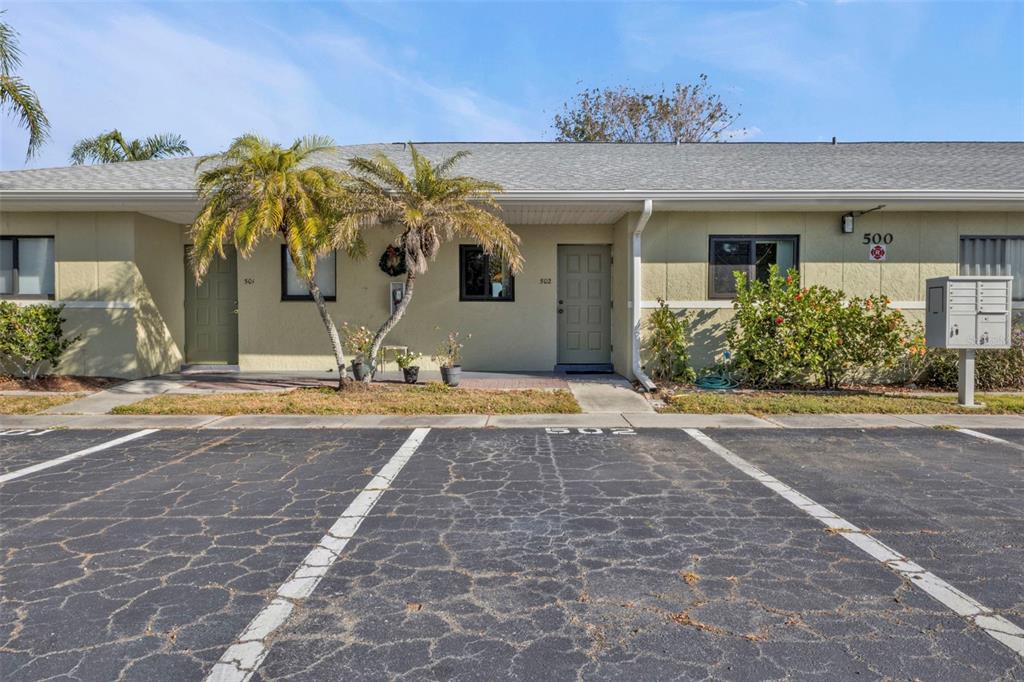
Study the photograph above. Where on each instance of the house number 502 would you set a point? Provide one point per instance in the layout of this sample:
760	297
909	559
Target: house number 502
877	238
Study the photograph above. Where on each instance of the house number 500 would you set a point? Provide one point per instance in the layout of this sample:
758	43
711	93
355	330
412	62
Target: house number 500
877	238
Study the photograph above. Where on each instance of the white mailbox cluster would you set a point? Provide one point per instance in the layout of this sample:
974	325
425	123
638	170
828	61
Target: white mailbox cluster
968	312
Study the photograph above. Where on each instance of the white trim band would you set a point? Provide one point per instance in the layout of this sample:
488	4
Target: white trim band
74	303
726	304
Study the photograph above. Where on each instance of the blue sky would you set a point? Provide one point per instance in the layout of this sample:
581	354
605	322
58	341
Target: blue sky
368	72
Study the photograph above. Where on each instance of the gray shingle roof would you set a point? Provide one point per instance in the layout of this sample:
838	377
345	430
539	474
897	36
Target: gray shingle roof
580	167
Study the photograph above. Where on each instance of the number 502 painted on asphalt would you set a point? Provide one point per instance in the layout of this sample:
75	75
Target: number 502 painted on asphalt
588	431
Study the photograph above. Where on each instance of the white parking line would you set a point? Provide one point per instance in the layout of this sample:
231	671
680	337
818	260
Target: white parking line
997	627
10	476
242	658
991	439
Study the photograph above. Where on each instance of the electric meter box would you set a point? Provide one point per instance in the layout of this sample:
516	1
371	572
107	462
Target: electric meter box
968	312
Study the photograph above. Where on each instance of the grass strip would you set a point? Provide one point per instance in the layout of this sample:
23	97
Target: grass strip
32	404
433	398
759	403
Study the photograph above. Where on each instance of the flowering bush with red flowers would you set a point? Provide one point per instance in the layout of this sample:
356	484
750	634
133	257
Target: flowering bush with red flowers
783	334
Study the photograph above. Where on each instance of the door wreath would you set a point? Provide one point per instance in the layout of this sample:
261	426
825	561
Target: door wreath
392	261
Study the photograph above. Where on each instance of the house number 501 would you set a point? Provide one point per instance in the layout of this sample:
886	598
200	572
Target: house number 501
877	238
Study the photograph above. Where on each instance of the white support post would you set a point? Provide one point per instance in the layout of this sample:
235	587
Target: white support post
965	378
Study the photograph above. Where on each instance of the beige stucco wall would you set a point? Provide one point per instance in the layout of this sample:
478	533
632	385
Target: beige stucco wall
119	291
122	278
925	244
622	327
502	336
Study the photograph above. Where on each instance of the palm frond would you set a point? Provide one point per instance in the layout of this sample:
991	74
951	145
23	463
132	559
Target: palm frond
268	193
23	103
163	145
10	53
430	206
448	164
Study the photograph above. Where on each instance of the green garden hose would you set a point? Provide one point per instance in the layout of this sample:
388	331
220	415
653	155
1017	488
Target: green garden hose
718	379
715	381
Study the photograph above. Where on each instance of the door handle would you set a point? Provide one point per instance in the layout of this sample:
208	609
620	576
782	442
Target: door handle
561	302
559	311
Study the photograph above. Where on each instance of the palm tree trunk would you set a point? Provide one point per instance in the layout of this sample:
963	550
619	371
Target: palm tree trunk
389	324
332	331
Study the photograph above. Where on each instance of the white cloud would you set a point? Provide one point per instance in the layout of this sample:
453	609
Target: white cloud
96	67
772	44
417	106
134	71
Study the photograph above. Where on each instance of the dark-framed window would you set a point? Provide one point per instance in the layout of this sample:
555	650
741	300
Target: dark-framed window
27	267
293	288
483	277
752	255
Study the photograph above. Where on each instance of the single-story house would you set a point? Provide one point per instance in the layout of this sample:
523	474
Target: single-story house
607	229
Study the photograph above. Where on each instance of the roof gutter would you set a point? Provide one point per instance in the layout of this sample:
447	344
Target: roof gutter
636	263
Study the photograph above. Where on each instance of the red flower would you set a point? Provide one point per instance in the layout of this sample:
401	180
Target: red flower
789	279
779	320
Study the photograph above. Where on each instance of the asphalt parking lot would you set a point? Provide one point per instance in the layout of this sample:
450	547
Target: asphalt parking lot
512	554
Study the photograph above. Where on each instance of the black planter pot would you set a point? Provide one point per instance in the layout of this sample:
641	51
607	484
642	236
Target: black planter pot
412	374
360	369
451	375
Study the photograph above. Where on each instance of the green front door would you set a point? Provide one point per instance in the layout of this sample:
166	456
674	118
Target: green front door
211	313
584	304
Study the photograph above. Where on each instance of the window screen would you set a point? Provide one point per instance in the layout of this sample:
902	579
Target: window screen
750	255
27	267
994	256
293	288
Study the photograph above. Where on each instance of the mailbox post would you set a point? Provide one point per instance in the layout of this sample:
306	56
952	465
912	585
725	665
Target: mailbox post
968	313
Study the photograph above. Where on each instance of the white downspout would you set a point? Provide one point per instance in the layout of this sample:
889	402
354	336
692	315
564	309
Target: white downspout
637	262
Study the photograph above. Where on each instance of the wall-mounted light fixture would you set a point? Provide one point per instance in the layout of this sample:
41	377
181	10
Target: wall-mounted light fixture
847	222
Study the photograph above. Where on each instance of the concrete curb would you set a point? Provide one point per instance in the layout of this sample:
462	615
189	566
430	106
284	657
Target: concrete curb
469	421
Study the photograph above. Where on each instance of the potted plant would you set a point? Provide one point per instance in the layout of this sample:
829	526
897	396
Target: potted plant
358	342
448	357
410	371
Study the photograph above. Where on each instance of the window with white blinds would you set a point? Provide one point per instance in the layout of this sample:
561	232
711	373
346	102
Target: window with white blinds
994	256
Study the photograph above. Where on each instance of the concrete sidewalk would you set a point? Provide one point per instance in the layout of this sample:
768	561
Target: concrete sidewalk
645	420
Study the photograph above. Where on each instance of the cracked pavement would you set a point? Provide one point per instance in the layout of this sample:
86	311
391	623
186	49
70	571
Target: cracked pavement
508	554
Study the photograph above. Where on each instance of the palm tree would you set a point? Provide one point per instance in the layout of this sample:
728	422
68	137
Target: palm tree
258	190
16	97
113	148
429	207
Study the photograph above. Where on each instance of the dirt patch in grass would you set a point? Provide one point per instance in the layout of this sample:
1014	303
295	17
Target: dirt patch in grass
70	384
760	403
31	404
431	398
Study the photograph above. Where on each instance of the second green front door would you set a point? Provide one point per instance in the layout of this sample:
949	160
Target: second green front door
211	313
584	304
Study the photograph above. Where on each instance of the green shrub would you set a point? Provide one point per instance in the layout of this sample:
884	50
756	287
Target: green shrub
994	370
783	334
32	338
668	345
